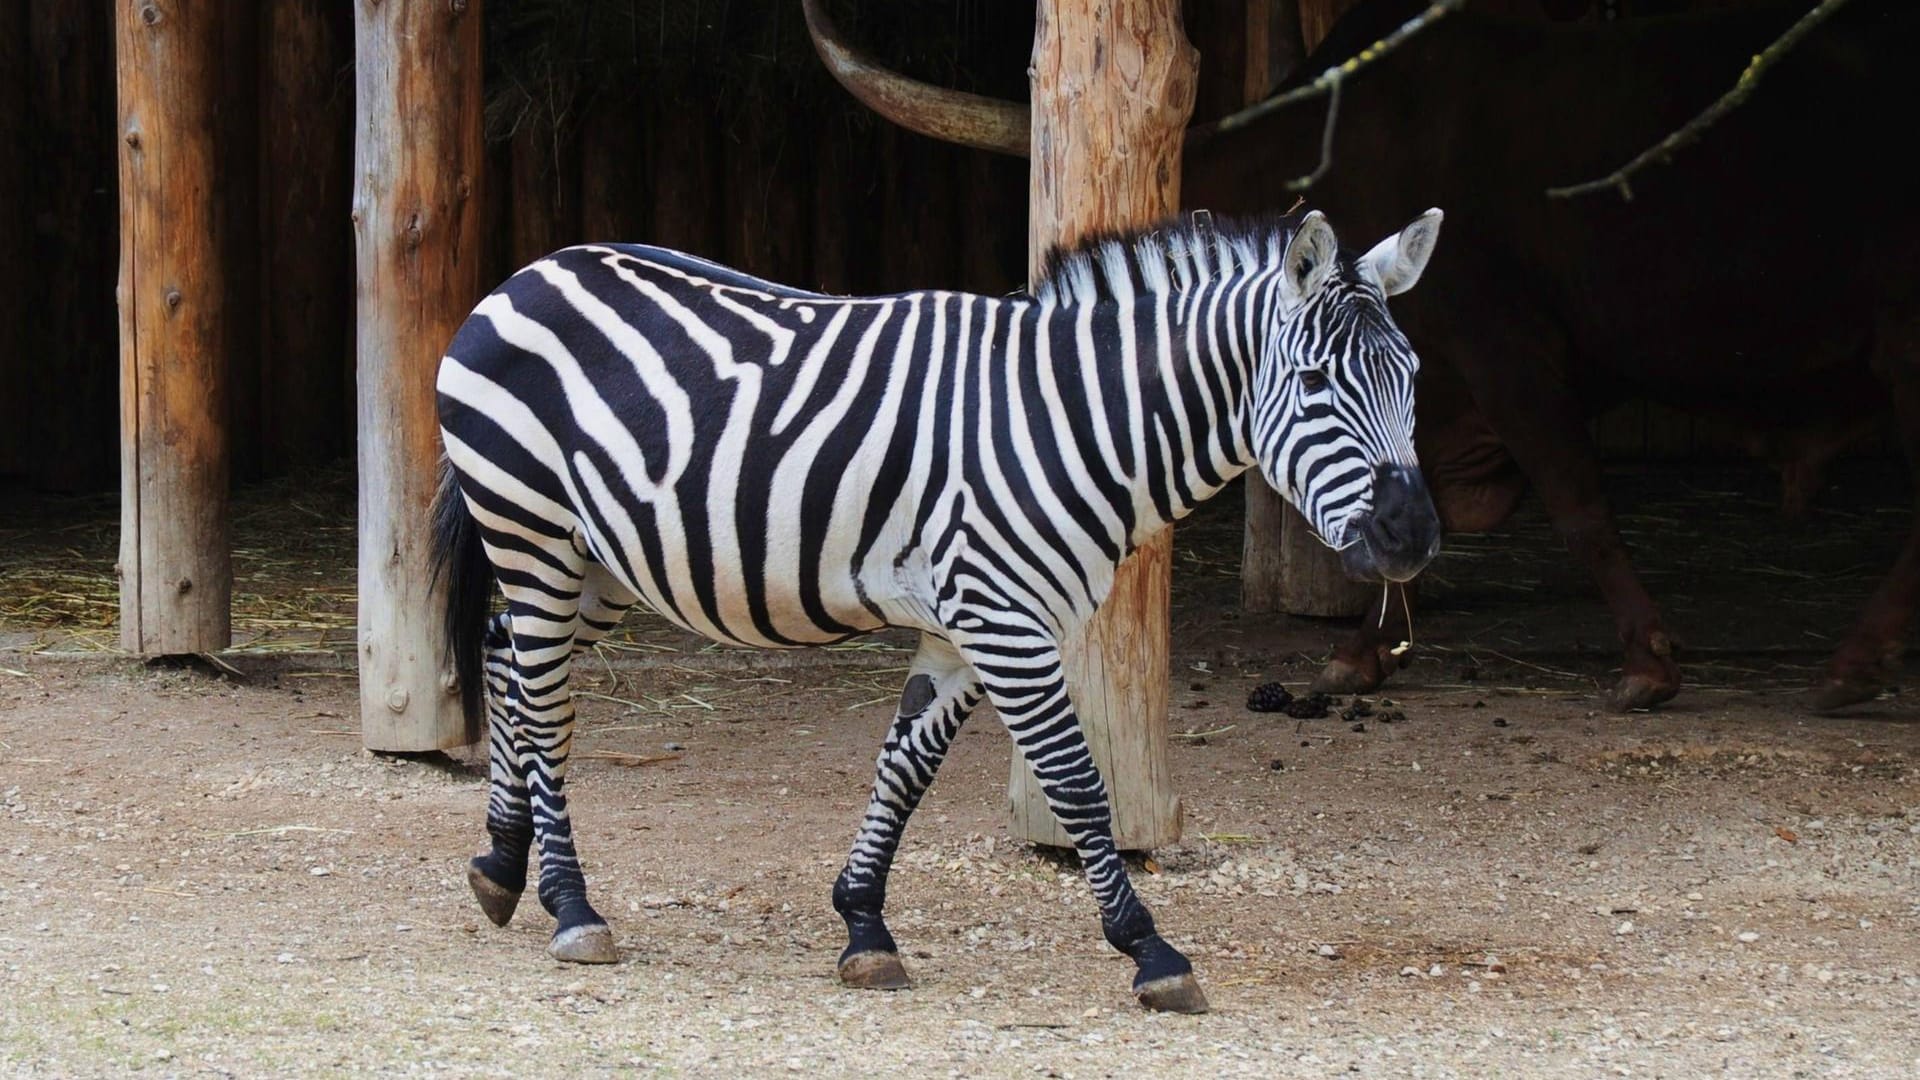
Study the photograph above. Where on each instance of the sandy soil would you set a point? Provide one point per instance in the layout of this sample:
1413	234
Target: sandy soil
208	877
199	876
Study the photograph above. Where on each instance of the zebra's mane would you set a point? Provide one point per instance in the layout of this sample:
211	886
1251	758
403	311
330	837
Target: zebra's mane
1174	255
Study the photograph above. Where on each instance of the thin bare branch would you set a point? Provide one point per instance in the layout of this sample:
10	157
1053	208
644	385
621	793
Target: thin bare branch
1620	179
1327	80
1302	183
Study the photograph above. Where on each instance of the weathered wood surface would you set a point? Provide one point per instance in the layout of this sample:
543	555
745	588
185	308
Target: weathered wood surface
1284	566
1113	86
417	165
306	236
175	577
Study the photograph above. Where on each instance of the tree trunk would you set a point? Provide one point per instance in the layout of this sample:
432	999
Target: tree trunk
16	260
1113	86
175	577
306	176
1284	566
417	162
75	373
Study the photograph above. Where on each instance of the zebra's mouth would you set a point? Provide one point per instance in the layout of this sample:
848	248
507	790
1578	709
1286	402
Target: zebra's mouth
1399	535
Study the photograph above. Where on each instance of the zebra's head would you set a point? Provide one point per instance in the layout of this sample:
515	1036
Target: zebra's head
1332	408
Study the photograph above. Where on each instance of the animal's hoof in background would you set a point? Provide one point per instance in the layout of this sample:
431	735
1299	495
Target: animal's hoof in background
1173	993
874	970
589	944
1636	691
496	900
1836	692
1342	676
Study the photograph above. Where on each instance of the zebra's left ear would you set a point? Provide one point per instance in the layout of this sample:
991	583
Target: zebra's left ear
1396	263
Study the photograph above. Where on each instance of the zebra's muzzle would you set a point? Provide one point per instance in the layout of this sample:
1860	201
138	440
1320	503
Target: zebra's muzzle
1400	535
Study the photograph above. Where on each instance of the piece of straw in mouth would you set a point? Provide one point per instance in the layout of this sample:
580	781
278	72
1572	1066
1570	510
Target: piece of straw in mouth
1386	593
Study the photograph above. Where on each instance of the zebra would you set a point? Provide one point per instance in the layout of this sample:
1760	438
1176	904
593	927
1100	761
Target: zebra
778	468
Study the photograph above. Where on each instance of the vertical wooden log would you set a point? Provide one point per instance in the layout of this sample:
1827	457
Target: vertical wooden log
75	176
1284	566
417	162
175	578
306	236
16	255
1113	86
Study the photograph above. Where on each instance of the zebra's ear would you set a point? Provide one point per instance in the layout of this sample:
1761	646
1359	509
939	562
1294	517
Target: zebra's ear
1310	258
1396	263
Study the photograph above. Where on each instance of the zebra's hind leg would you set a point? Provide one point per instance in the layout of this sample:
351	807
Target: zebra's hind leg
1020	666
500	876
941	690
544	617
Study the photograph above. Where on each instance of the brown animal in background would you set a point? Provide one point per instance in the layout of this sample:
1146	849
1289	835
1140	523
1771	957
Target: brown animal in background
1765	276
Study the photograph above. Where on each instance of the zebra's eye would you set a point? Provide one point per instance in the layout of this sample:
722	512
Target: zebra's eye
1313	380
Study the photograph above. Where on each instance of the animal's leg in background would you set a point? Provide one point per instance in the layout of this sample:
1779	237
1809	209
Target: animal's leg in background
500	876
1866	660
1519	382
1361	663
1020	666
941	690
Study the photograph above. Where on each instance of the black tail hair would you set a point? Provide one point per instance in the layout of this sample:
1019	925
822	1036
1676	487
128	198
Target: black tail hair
461	563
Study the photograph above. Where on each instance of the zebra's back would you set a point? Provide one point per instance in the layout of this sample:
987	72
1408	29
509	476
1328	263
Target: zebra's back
740	454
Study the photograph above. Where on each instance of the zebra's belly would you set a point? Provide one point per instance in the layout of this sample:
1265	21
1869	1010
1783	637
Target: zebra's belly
761	602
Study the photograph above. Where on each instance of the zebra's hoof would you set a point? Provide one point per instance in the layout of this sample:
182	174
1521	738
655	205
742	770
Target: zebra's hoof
1174	994
874	971
496	900
589	944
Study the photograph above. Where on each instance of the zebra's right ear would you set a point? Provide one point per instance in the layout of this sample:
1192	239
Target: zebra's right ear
1310	258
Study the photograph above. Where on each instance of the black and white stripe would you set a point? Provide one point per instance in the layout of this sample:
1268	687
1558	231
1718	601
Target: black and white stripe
775	468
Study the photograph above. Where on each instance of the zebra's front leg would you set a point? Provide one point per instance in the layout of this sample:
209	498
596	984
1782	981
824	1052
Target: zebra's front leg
941	690
500	876
1020	666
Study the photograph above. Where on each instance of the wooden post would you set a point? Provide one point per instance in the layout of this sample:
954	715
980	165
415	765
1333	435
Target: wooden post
417	164
306	172
1113	86
175	577
1284	566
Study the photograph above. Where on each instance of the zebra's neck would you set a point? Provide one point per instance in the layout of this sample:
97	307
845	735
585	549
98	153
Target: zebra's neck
1156	366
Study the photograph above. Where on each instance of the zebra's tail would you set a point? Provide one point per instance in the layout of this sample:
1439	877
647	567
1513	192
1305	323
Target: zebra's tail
460	562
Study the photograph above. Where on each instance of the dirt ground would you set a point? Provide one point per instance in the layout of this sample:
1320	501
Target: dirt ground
203	875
